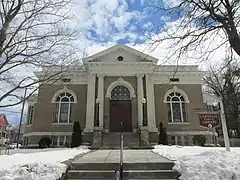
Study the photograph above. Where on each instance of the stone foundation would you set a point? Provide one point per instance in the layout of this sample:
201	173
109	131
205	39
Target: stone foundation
144	137
97	137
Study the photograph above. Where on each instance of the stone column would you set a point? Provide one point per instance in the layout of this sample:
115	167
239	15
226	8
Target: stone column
139	98
144	137
101	98
150	105
97	137
90	103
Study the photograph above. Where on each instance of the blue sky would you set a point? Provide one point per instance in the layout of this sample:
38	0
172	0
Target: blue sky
13	114
104	23
107	22
129	22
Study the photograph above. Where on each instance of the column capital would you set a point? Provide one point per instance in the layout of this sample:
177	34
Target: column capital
139	75
148	75
92	74
91	77
100	75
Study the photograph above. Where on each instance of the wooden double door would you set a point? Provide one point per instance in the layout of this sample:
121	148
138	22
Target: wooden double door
120	110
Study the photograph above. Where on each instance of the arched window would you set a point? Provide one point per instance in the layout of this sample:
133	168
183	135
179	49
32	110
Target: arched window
120	93
176	107
63	111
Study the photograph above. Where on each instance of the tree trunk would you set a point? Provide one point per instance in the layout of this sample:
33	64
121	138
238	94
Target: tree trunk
234	41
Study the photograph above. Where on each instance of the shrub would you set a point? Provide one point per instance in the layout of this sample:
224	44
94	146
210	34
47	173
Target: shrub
44	142
76	135
199	140
162	139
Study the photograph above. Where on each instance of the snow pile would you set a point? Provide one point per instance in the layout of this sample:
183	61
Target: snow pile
203	163
37	165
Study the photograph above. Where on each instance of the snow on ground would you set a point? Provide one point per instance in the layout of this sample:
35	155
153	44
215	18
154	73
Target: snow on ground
36	164
203	163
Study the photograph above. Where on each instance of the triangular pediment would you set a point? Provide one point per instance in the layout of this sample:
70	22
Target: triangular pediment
120	53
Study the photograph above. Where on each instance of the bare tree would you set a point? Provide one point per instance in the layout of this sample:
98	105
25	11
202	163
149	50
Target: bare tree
200	21
225	84
34	34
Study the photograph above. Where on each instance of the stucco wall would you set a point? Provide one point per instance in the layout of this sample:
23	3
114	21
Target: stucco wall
194	93
44	109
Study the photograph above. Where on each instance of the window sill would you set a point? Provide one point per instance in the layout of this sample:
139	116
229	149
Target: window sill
29	125
178	123
62	124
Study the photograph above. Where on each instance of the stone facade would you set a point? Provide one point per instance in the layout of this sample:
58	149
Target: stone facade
86	97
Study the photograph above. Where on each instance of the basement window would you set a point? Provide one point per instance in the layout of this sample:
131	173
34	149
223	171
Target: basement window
66	80
174	79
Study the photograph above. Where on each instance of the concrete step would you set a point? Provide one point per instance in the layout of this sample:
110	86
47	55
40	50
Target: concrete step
125	179
126	166
131	135
112	140
118	145
129	174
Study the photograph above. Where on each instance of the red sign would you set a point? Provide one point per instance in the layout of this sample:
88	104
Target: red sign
209	120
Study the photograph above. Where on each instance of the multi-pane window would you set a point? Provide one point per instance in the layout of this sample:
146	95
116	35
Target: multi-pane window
179	140
176	107
173	140
30	114
63	141
185	140
120	93
68	140
54	140
63	108
26	141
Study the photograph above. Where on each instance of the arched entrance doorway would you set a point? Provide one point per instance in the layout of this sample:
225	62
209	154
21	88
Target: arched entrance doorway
120	109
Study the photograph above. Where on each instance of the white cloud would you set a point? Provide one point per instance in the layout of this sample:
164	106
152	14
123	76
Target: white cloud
97	15
163	51
148	25
165	18
171	3
123	21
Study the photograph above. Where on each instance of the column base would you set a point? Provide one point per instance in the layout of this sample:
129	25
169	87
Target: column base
144	136
97	137
88	130
152	129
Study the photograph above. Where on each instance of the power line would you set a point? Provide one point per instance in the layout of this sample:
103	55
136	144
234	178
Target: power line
14	112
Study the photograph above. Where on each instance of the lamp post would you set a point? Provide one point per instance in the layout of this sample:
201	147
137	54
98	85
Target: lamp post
9	130
144	123
21	117
97	112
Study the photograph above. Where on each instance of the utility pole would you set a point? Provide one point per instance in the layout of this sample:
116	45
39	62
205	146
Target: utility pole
21	117
224	126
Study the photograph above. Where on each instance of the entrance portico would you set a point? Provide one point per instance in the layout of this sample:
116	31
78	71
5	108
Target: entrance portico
120	101
129	76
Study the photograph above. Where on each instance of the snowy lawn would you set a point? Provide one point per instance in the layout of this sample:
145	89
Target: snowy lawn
203	163
30	164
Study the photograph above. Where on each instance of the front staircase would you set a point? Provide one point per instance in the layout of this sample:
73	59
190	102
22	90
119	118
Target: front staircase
138	164
112	140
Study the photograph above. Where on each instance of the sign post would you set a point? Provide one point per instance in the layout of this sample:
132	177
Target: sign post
211	120
224	126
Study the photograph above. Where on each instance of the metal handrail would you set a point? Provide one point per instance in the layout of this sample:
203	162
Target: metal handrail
119	172
121	153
